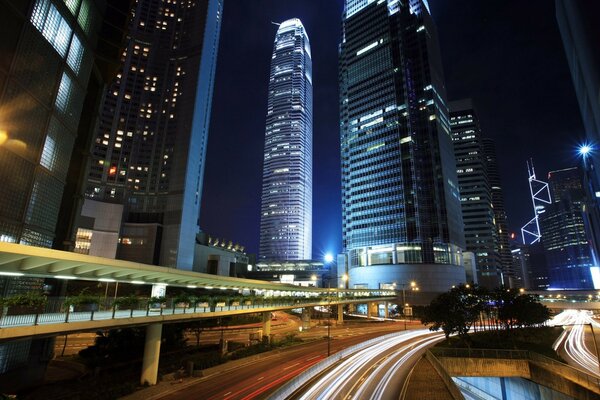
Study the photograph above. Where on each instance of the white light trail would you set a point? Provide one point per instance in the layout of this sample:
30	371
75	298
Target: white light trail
573	340
332	385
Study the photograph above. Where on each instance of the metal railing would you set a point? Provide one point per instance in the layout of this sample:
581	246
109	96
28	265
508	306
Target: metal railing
57	310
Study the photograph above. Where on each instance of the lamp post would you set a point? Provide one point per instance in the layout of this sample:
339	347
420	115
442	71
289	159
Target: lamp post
329	260
413	286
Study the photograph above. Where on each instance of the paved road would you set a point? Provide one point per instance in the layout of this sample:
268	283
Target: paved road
377	372
257	379
576	344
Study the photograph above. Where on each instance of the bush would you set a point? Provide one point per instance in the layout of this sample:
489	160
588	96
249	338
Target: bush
29	299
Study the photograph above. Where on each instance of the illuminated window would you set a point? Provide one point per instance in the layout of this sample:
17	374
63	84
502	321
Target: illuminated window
65	91
48	159
52	25
75	54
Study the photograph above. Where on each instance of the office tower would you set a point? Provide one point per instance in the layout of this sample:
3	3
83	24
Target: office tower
55	56
565	232
401	211
579	29
475	192
511	277
286	203
150	145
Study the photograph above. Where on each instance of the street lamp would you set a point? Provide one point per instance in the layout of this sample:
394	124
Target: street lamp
413	286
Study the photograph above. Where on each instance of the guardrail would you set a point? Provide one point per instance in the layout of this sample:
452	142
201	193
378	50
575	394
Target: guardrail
56	310
294	384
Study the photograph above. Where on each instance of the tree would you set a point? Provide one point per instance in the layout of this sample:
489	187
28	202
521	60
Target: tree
454	311
516	309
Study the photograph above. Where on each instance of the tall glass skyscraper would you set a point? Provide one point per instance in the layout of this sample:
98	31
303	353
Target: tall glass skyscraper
400	201
150	146
286	209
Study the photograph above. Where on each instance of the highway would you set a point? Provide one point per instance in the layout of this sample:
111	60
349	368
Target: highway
576	344
377	372
259	378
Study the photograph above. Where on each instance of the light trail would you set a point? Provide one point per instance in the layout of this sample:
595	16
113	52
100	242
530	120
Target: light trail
573	340
342	380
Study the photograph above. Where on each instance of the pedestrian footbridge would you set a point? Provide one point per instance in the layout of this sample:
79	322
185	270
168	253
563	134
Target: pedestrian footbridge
56	317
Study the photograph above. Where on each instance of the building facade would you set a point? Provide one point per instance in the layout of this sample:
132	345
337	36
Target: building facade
401	211
565	232
149	150
475	192
53	65
286	202
579	29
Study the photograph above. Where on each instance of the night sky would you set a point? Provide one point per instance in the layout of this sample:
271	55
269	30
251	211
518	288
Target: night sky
506	55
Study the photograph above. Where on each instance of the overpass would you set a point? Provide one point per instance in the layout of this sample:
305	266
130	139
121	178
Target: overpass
569	299
57	318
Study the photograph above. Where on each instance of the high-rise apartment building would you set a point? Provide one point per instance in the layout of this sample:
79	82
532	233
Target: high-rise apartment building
150	145
475	192
55	59
566	233
401	211
286	203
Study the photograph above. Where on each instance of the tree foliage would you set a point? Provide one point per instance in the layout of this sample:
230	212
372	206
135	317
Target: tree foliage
465	307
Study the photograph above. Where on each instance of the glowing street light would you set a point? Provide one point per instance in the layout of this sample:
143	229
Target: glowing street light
585	149
328	258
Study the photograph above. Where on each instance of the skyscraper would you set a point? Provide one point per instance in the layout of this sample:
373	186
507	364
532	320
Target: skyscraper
513	277
400	202
579	29
51	66
475	192
149	151
286	203
565	232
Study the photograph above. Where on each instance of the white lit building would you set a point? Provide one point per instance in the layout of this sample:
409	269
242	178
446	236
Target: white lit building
286	209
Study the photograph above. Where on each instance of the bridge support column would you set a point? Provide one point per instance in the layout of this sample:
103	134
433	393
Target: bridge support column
372	310
386	310
340	313
266	320
305	319
151	354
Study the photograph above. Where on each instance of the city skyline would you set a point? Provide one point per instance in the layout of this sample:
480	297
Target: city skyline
241	225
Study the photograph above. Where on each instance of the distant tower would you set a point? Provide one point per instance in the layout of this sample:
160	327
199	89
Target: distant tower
540	197
515	278
481	236
401	212
286	209
566	236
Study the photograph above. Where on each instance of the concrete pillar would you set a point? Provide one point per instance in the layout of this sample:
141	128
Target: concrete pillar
386	312
352	308
340	313
151	354
305	319
266	320
372	310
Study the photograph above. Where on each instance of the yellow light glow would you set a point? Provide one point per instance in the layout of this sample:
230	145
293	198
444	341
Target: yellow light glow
3	137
